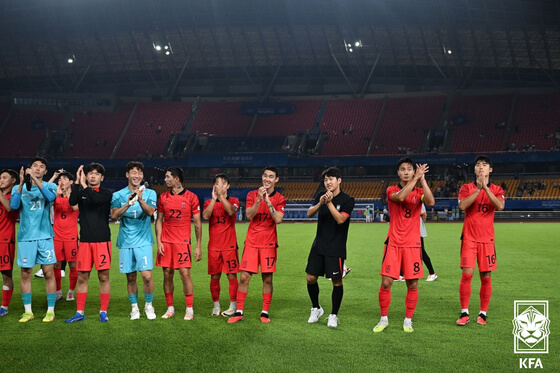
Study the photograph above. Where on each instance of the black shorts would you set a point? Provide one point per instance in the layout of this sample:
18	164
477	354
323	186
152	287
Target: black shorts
321	265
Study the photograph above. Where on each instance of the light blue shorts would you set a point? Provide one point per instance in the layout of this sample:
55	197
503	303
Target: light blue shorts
137	259
30	253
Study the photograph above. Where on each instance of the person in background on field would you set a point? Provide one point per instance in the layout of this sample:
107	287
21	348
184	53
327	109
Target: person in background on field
223	252
8	217
177	207
94	204
265	209
134	205
479	200
328	251
403	249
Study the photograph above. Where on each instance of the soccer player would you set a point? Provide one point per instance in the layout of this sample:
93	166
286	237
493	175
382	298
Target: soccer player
176	207
135	205
35	236
8	217
65	228
94	203
265	209
223	252
479	200
403	248
329	247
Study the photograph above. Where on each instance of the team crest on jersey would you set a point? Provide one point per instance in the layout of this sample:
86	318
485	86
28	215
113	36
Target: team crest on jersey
415	199
183	205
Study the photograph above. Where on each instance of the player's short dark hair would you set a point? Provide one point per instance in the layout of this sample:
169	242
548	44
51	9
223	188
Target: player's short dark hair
42	160
64	173
134	164
483	158
11	172
176	172
271	168
221	176
95	167
406	160
331	172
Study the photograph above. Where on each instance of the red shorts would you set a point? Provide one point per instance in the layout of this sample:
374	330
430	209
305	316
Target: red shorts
7	255
409	259
177	255
90	253
483	253
226	261
253	256
66	250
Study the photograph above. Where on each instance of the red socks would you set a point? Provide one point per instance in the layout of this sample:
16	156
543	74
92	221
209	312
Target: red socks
267	297
81	301
7	297
169	299
411	301
58	278
485	293
73	278
189	300
384	300
241	300
215	289
233	284
104	297
465	290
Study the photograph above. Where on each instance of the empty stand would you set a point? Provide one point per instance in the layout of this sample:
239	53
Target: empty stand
19	139
301	120
479	133
151	126
349	125
96	133
221	118
404	122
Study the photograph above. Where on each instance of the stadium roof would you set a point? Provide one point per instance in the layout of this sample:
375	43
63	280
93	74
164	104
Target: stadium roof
263	46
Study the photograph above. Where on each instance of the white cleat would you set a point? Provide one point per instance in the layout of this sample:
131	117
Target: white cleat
216	311
315	314
332	321
135	314
150	313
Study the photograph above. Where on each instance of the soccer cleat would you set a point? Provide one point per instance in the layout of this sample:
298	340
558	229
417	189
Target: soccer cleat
407	326
381	326
265	318
3	311
135	314
26	317
189	315
40	273
168	315
400	279
70	296
216	311
346	271
49	317
432	277
150	313
229	312
59	296
238	316
315	314
463	319
103	316
77	317
62	273
332	321
481	319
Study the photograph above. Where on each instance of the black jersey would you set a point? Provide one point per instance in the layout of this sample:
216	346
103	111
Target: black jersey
95	207
331	236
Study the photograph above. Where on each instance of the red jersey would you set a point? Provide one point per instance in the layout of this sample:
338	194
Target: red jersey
479	217
177	210
262	228
65	224
221	226
404	230
8	222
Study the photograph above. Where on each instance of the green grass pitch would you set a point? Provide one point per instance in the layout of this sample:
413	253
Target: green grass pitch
528	258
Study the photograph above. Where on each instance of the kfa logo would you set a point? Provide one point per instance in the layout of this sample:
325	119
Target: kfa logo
531	327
